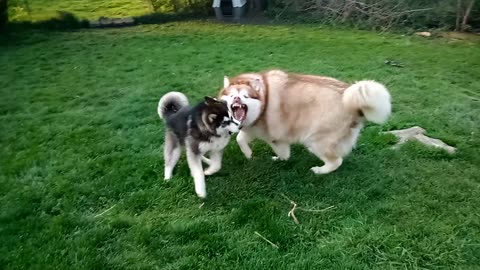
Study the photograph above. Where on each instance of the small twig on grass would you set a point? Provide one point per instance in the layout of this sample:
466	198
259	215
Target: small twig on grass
201	205
317	211
291	213
268	241
97	215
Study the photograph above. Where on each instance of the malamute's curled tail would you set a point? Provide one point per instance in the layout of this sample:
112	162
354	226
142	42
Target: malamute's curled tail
370	97
170	103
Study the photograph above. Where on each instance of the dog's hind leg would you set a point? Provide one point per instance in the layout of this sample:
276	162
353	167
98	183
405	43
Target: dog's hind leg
215	163
194	160
329	156
171	154
243	139
282	150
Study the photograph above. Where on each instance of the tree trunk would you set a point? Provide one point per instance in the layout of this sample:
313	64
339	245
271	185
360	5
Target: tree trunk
466	15
3	13
459	14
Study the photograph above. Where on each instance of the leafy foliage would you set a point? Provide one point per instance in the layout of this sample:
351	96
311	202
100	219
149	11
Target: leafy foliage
181	6
378	14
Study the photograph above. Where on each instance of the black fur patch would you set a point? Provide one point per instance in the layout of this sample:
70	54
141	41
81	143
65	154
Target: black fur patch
188	121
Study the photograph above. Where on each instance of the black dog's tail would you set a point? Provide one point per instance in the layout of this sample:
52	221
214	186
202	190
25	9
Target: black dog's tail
170	103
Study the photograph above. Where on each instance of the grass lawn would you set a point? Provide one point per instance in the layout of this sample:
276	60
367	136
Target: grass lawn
81	164
38	10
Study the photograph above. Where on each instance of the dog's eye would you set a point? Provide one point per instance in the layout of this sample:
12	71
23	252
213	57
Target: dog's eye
245	96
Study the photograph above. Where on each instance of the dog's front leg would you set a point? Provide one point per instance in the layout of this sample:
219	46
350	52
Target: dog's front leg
282	150
195	164
215	163
243	139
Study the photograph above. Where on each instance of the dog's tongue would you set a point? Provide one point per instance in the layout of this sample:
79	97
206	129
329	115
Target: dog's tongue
239	113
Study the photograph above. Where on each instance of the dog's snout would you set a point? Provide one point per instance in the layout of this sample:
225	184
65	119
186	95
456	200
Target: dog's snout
236	99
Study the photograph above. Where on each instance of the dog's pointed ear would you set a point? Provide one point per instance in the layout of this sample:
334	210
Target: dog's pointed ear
258	85
226	82
212	117
210	100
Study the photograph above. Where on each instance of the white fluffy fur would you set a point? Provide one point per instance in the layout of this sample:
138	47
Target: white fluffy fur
322	113
372	98
180	98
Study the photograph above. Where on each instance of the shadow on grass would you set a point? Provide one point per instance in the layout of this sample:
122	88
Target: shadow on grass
157	18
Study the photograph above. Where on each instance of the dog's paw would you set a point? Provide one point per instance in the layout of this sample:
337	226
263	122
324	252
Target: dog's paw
248	154
210	171
167	177
202	194
319	170
275	158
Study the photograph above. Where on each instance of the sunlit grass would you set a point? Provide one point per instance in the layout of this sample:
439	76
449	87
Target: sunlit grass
80	135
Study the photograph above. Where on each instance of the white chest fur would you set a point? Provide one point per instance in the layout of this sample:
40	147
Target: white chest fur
215	144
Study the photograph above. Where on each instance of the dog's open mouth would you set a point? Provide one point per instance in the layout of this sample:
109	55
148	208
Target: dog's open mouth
239	111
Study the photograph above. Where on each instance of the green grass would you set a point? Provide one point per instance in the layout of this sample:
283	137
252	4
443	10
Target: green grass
39	10
80	135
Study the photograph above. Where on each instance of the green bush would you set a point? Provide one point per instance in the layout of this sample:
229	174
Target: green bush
181	6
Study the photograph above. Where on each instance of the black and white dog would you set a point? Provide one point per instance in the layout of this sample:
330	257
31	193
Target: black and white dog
203	128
